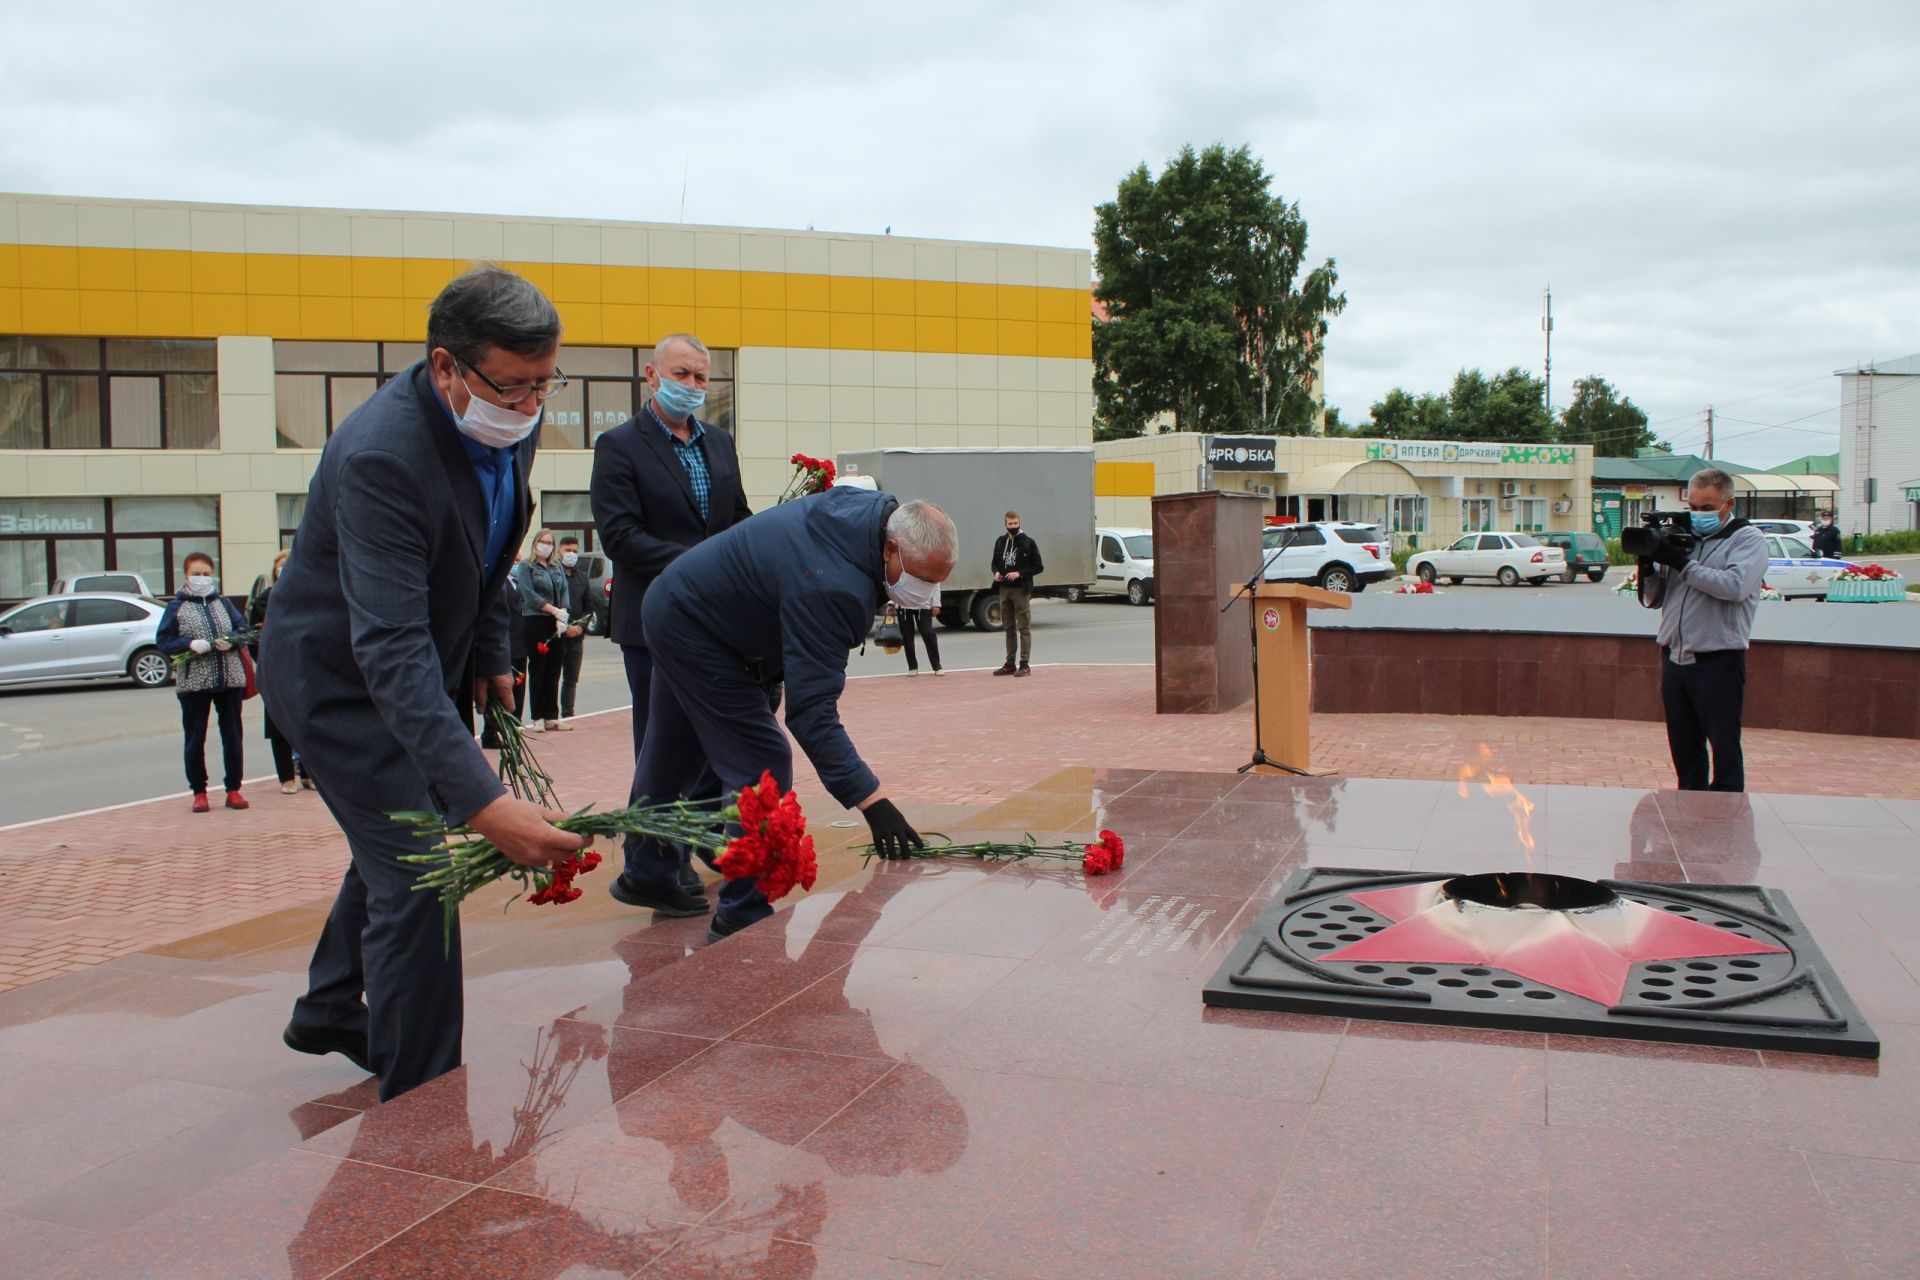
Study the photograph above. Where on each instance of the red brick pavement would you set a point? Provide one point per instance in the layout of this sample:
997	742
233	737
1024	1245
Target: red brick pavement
79	890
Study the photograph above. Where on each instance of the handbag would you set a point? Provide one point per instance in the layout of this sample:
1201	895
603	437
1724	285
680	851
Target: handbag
887	634
246	662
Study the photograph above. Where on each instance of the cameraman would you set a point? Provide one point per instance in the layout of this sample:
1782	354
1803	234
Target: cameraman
1706	615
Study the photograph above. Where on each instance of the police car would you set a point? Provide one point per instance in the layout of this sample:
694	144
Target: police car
1794	571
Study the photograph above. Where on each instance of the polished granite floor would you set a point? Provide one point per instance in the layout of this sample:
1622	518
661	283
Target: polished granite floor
946	1069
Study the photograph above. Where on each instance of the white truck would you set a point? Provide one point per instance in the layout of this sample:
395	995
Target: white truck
1052	489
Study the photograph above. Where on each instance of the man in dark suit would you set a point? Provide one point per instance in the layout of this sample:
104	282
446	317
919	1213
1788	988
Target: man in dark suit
1016	563
395	596
663	481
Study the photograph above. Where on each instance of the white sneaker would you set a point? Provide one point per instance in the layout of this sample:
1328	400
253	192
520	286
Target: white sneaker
939	671
913	671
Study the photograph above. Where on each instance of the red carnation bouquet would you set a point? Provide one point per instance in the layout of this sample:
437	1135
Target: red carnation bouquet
1865	573
773	846
810	476
1108	855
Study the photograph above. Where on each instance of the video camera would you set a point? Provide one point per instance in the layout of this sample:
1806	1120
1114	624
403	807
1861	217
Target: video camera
1670	530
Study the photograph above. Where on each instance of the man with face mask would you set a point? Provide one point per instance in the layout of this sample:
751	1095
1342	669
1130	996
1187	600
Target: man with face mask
785	595
1826	537
1016	563
395	596
583	608
1706	616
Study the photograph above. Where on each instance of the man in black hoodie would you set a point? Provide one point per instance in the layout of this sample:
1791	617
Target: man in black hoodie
1016	563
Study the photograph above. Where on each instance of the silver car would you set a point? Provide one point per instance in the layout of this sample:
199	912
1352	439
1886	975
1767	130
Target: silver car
89	635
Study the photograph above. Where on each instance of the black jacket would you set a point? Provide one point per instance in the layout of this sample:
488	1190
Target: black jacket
1826	542
644	508
1026	559
583	600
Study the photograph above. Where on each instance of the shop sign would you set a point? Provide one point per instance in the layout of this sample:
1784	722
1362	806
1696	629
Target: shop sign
1241	453
31	522
1913	493
1460	451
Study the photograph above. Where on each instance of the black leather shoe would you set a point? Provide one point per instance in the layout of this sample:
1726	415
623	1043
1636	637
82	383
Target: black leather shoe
677	902
351	1045
719	929
1006	670
1024	670
690	881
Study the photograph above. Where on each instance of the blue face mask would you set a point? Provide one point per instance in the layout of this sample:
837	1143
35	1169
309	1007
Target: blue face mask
678	400
1706	523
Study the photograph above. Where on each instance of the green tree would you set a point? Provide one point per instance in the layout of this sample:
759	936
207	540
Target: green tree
1210	318
1401	415
1615	426
1509	407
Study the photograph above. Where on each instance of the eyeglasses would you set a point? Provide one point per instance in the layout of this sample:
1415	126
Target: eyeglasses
541	391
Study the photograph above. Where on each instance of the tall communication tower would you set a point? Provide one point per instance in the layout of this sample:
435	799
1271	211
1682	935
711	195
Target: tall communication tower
1546	327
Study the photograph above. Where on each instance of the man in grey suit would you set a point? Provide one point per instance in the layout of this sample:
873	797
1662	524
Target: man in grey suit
410	523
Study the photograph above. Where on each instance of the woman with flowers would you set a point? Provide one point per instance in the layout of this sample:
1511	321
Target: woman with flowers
543	614
201	622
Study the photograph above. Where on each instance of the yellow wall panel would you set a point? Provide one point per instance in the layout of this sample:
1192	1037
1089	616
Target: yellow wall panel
1123	479
933	298
220	273
1017	337
977	337
850	332
1083	342
575	283
893	333
765	289
1054	341
976	301
425	277
762	327
582	323
413	319
376	319
893	297
218	313
106	269
670	286
277	274
163	271
1015	301
10	310
807	293
935	334
539	273
807	329
850	295
107	312
326	319
716	289
49	266
163	315
378	278
322	277
662	320
273	315
717	326
623	324
9	266
1062	306
623	284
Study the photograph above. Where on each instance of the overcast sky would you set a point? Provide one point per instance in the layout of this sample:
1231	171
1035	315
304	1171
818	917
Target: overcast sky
1723	197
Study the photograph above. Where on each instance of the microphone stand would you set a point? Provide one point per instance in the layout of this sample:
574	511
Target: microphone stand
1260	756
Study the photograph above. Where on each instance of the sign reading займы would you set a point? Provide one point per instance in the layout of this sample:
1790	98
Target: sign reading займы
1460	451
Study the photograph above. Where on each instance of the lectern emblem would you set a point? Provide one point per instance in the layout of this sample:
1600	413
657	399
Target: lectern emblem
1270	619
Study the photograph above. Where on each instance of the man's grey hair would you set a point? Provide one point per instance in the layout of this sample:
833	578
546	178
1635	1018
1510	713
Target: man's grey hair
1713	478
673	338
923	531
487	306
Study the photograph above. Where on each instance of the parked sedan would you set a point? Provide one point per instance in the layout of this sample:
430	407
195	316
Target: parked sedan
1794	571
1510	557
83	636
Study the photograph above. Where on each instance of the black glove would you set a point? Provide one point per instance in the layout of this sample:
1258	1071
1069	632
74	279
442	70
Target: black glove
1672	554
892	837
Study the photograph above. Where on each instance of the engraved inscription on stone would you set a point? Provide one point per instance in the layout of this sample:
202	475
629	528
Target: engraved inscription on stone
1149	927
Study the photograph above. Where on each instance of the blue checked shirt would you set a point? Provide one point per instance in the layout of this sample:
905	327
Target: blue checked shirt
692	457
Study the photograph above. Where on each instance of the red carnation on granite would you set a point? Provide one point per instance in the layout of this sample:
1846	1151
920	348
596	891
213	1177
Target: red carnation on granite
773	846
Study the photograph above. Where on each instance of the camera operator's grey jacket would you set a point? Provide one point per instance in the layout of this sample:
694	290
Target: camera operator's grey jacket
1710	603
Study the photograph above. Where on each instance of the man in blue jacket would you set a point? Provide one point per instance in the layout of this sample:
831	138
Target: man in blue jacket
785	595
395	596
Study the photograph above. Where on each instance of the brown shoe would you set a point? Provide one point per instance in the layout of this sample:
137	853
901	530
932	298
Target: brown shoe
1005	671
1024	670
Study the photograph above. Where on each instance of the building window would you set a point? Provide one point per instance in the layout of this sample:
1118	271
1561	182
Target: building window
1410	514
608	385
317	384
1476	514
43	540
568	513
1533	515
108	393
293	508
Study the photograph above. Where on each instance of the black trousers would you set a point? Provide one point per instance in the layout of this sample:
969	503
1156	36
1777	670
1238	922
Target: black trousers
572	652
286	765
194	706
543	669
1703	701
920	620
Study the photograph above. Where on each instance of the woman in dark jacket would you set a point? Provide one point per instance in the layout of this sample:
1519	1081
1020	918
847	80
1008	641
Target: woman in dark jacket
543	614
287	764
200	621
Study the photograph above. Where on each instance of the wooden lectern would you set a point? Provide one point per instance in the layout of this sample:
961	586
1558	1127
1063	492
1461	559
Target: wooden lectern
1281	695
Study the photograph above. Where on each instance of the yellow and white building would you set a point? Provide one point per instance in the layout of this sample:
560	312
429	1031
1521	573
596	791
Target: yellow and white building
169	372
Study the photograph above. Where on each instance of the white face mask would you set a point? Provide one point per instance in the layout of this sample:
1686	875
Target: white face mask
569	558
913	593
544	550
495	426
200	584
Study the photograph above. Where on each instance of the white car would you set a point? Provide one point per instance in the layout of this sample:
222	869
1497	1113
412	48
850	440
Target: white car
1801	529
1794	571
1339	555
1511	557
1122	565
86	636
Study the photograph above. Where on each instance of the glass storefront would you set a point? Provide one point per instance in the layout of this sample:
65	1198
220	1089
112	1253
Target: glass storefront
108	393
46	540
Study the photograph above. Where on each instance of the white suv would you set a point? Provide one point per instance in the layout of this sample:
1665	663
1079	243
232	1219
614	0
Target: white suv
1340	555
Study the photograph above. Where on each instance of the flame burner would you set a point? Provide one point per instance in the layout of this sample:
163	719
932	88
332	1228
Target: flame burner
1701	964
